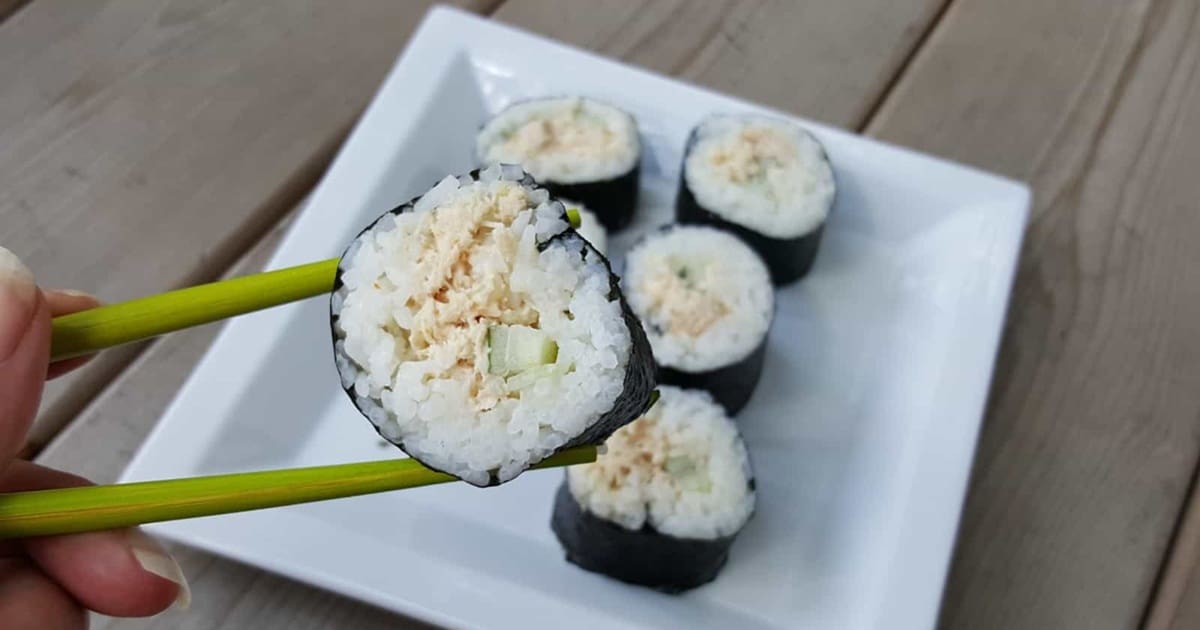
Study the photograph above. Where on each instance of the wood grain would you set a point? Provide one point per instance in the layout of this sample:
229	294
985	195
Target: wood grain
8	7
147	143
1093	432
830	61
1176	604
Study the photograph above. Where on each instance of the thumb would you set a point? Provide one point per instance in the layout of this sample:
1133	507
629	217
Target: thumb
24	352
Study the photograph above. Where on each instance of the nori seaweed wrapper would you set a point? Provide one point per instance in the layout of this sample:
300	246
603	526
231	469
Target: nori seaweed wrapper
639	383
788	259
645	557
731	385
613	201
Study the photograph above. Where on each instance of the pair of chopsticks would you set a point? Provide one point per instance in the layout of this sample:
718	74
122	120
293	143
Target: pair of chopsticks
71	510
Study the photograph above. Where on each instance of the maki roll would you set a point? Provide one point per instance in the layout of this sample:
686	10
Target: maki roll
767	180
576	147
480	334
590	227
662	505
706	301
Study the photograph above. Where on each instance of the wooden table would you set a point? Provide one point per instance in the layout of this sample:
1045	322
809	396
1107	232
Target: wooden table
149	144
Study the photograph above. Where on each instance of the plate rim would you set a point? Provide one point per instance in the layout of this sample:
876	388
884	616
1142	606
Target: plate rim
424	43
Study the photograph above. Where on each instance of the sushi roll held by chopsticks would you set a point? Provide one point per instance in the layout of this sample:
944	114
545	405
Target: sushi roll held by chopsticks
479	333
662	505
578	148
767	180
706	301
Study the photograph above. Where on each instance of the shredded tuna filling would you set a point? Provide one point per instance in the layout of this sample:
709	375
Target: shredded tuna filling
458	299
678	297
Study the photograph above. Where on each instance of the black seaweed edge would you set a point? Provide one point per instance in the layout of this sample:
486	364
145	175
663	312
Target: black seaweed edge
788	259
645	557
732	385
612	200
634	399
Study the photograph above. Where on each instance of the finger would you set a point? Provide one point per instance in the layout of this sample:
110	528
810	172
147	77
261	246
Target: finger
31	601
24	352
123	573
65	302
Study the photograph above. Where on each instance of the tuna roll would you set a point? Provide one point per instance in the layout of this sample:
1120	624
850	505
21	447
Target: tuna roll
767	180
480	334
577	148
706	301
662	505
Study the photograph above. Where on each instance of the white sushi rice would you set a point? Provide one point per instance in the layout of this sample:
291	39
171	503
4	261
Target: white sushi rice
420	292
766	174
590	227
682	468
705	298
562	140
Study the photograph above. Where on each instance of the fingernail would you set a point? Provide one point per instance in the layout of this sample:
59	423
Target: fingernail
18	297
74	293
153	558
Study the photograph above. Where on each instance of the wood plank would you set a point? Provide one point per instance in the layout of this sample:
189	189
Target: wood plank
147	143
830	61
1176	604
8	7
1091	436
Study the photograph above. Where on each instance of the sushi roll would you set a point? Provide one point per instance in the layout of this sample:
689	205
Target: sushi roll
767	180
576	147
480	334
590	227
662	505
706	301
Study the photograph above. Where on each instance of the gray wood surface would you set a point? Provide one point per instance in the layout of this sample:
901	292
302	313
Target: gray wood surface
831	61
1176	603
8	7
148	143
1092	433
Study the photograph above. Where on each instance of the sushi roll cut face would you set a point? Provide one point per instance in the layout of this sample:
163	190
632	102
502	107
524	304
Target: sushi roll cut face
765	174
662	505
480	334
576	147
766	180
706	301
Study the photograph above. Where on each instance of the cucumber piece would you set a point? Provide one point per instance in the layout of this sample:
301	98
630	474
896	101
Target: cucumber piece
524	380
513	349
574	218
687	472
680	466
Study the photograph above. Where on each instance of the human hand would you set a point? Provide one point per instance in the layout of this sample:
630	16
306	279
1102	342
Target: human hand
49	582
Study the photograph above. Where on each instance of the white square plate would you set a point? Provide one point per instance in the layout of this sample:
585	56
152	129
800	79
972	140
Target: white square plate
861	431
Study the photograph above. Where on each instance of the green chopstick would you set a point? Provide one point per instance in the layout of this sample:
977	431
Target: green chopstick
90	508
103	327
112	325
